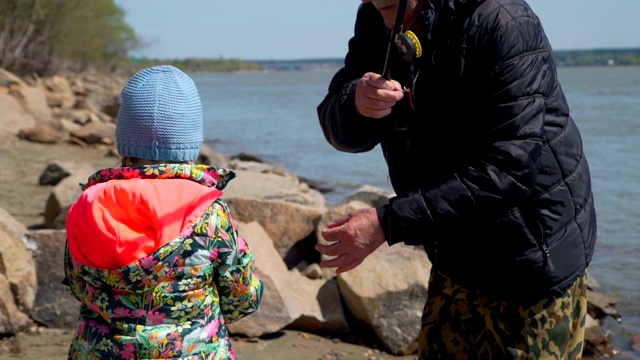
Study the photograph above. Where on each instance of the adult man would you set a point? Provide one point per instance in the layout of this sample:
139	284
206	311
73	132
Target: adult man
488	170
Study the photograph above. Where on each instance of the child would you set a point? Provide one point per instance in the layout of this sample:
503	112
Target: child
152	252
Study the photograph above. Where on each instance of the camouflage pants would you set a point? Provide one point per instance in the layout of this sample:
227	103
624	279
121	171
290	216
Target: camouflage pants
458	324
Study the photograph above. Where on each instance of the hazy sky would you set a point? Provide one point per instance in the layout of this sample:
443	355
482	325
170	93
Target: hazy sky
302	29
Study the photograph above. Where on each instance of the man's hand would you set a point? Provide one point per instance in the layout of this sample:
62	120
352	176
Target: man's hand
375	95
354	237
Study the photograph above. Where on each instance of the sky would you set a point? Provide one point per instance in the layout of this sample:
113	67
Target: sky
311	29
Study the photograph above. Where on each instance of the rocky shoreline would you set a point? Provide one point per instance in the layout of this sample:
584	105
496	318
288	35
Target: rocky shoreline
54	132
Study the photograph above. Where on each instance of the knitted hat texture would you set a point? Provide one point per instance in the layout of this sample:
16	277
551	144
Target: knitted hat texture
160	116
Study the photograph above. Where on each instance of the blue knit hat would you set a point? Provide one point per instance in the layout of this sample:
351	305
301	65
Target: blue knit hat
160	116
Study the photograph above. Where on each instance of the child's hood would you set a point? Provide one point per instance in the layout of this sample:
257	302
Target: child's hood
116	222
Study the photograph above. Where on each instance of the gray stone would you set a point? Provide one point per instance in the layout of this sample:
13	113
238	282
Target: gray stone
54	307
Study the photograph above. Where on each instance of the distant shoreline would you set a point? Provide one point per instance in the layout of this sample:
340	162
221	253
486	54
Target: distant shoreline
564	58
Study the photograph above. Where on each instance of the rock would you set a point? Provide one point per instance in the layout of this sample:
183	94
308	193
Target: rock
286	209
319	185
371	195
313	272
54	306
96	132
12	320
389	299
59	93
55	172
209	157
277	308
601	305
32	98
247	156
43	133
321	306
111	106
13	117
17	277
63	195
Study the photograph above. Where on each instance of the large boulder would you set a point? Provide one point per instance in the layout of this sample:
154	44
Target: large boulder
17	277
65	193
321	305
13	117
286	208
54	306
277	309
389	299
32	98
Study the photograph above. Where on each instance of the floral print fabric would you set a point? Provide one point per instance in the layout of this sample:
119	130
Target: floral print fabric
175	302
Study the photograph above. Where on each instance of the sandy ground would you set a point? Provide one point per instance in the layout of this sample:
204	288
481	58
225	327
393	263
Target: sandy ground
52	344
22	162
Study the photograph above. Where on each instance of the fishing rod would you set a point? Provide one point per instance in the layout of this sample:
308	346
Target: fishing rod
407	43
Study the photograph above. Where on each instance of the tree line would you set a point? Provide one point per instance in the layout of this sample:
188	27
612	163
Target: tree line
41	37
203	65
598	57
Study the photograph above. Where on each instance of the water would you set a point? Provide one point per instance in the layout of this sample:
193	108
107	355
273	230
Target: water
273	115
605	102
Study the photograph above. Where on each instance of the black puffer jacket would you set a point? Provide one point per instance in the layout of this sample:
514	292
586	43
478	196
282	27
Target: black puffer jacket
488	167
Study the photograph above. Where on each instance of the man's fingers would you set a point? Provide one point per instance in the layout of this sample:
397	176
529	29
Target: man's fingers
378	81
339	221
378	104
332	234
353	241
330	250
383	97
376	114
375	95
375	107
342	263
337	262
386	86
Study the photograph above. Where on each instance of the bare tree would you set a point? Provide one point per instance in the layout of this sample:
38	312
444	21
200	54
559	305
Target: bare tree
39	36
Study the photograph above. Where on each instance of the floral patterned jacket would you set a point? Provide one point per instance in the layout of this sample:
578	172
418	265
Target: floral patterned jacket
154	257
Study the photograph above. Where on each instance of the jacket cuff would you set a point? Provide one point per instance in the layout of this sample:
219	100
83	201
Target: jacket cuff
347	100
383	217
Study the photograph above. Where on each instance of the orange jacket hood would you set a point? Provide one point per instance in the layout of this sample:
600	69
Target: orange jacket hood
117	222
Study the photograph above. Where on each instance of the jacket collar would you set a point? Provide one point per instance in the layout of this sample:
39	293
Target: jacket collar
434	11
204	174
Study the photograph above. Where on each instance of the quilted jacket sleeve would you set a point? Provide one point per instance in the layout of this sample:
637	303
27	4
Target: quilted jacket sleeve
239	288
71	280
343	127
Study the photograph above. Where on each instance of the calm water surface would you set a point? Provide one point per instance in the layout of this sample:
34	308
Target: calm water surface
273	115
